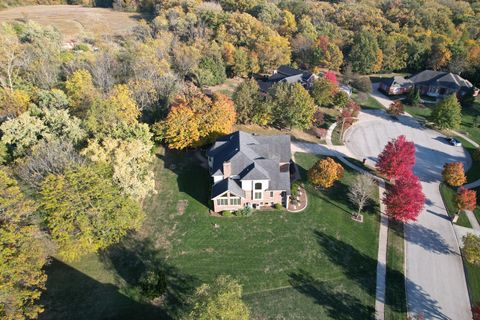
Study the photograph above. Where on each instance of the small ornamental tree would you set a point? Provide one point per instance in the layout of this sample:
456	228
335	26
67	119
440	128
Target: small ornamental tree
397	159
325	172
361	191
471	248
454	174
466	199
330	76
404	199
396	108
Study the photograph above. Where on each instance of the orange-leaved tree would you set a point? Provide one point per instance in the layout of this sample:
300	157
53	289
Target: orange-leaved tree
466	199
454	174
195	120
325	172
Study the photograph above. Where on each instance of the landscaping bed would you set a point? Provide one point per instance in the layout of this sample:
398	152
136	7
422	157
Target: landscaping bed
315	264
448	195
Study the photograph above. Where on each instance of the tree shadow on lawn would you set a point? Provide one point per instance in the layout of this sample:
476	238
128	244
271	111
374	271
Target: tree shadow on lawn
361	268
71	294
192	179
338	305
337	194
133	257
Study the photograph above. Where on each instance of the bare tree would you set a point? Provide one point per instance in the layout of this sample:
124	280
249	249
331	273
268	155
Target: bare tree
48	157
361	191
11	56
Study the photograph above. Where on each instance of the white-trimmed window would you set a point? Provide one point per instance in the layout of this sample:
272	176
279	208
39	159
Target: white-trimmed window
271	194
257	195
234	201
258	186
222	202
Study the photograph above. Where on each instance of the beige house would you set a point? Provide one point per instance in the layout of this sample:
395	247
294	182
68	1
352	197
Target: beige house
250	170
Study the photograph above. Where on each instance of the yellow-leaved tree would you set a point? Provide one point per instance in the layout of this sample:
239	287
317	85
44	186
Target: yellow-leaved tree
22	254
220	300
325	172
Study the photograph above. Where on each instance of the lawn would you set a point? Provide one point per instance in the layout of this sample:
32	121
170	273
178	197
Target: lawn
318	264
396	301
306	135
448	196
473	281
473	173
366	101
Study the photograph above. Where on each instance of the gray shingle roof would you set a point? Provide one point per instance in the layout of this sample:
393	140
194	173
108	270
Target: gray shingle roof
225	185
253	157
396	80
441	79
284	73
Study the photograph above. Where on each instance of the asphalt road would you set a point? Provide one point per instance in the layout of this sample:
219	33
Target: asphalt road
435	279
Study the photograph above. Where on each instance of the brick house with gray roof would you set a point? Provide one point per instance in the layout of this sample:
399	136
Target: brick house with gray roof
250	170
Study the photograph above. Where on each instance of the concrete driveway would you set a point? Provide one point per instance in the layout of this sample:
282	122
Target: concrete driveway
435	279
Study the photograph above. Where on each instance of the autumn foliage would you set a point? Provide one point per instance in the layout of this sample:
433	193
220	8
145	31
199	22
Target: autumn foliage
196	120
454	174
405	198
397	159
325	172
466	199
396	108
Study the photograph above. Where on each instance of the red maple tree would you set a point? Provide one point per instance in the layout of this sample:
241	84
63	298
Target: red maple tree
397	159
331	76
404	199
466	199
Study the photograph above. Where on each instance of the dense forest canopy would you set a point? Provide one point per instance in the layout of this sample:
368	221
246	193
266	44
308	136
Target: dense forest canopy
374	36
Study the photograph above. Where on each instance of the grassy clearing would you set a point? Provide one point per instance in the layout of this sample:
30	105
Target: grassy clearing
366	101
297	134
309	265
75	21
395	296
227	88
448	196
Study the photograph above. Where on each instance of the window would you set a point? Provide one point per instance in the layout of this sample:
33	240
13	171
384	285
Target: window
234	201
271	194
222	202
257	195
258	186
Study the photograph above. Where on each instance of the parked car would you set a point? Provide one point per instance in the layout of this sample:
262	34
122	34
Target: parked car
454	142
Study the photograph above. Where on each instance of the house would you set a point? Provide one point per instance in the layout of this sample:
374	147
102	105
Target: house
441	84
250	170
289	75
396	85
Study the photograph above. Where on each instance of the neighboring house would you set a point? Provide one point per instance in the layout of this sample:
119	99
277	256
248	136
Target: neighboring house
396	85
441	84
289	75
250	170
437	84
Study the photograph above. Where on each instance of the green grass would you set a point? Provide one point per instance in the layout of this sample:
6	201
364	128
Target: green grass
448	196
337	135
396	302
473	281
421	113
473	173
366	101
468	117
318	264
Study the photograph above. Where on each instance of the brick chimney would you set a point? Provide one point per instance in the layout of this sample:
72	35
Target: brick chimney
227	169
